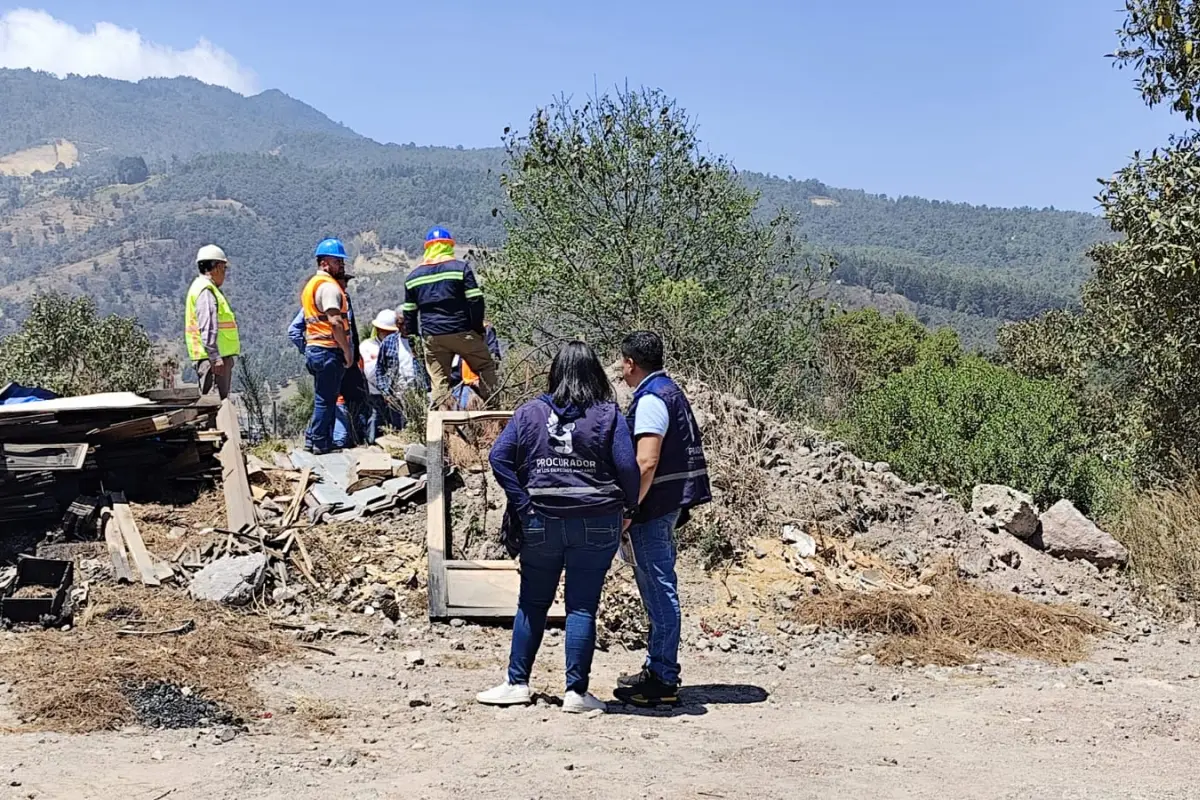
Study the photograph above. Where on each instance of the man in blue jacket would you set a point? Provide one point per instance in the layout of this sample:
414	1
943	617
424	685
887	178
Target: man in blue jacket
443	304
674	479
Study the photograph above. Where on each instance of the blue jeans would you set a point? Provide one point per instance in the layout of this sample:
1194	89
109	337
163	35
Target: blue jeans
379	416
585	547
327	366
654	553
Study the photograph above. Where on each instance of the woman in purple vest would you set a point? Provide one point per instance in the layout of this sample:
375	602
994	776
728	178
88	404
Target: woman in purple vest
567	465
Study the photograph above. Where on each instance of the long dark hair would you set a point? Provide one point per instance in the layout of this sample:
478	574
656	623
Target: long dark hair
577	377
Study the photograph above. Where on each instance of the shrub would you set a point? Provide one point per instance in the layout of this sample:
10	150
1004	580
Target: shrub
859	350
66	347
974	422
619	220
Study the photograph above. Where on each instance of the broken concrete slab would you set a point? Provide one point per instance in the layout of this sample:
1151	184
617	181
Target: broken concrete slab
1066	533
1013	510
232	580
805	545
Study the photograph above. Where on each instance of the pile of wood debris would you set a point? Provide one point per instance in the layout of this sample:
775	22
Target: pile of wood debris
55	451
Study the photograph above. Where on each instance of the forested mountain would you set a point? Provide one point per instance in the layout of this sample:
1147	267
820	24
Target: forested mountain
156	118
271	176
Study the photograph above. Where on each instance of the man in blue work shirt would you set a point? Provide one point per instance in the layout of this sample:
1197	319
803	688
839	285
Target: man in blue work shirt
674	474
443	305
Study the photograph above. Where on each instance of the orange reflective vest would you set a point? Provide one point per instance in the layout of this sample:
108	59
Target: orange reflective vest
318	330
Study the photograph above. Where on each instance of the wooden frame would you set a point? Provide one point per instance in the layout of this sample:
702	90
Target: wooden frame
466	589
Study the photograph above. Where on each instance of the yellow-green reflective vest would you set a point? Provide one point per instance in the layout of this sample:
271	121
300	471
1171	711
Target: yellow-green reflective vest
228	343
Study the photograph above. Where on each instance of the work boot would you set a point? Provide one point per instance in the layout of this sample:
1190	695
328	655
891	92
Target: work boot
649	693
633	678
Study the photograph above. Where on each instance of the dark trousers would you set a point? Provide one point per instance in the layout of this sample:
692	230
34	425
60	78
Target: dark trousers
585	548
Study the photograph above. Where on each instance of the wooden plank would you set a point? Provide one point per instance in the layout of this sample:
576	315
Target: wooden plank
437	530
116	548
293	510
133	539
557	612
460	417
258	493
144	426
284	462
162	570
492	564
256	469
239	504
42	457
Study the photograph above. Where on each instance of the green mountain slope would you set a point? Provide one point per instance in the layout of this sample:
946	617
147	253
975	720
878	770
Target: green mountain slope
154	118
275	176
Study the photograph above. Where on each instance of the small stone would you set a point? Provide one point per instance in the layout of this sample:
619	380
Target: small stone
866	659
1059	588
882	466
725	645
415	658
157	755
176	533
457	623
595	712
418	746
417	699
569	767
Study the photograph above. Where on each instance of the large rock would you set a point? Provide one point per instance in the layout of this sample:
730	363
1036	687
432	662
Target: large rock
1012	510
232	580
1066	533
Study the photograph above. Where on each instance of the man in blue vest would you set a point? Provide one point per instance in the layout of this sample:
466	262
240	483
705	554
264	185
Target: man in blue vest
674	479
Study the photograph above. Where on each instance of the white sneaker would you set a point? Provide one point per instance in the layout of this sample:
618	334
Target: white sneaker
506	694
576	703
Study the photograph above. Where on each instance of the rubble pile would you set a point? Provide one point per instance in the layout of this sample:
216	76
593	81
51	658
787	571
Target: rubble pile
870	528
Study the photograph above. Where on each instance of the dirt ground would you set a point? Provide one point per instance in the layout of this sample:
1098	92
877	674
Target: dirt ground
794	718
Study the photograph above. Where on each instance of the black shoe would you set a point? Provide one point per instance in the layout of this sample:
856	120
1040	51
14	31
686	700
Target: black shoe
649	693
634	678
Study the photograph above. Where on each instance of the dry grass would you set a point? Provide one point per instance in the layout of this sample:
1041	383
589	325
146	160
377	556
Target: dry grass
318	713
1161	529
71	680
956	623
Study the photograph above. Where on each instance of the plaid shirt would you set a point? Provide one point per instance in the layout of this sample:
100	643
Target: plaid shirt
388	377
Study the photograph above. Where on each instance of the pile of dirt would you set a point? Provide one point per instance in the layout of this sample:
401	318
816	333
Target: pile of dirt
773	479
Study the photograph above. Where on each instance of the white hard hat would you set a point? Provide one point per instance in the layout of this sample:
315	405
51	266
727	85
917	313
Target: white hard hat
210	252
386	320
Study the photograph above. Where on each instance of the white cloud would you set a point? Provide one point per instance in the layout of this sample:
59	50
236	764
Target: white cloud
37	40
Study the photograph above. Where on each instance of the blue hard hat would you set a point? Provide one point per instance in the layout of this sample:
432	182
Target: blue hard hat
331	247
438	235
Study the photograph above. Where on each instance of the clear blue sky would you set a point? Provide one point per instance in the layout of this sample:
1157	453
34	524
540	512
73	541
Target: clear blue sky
1002	103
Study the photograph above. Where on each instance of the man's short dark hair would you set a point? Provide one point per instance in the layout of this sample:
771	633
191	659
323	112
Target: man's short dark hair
206	267
644	348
